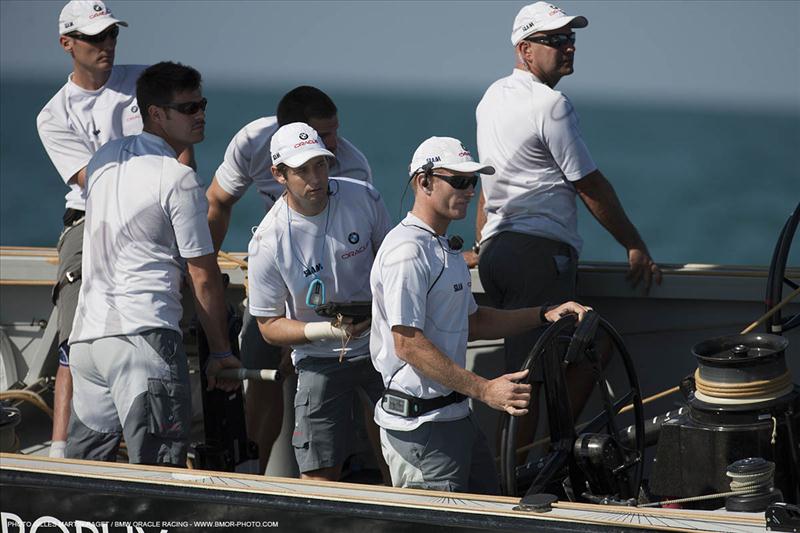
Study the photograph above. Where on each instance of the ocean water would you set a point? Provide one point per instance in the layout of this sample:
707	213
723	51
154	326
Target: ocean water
702	186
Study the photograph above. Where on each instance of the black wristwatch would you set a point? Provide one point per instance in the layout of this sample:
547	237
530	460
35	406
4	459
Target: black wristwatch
542	310
476	248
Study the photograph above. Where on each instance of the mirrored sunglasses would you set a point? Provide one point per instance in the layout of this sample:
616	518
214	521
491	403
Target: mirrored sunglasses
459	182
188	108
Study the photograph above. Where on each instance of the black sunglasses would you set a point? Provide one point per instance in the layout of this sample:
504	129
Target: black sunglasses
188	108
459	182
112	32
557	40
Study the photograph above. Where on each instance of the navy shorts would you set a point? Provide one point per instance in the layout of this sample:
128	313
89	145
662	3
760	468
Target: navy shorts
519	270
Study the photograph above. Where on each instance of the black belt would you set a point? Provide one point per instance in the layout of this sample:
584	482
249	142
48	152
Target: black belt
72	215
405	405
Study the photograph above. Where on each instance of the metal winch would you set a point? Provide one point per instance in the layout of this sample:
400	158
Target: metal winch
742	404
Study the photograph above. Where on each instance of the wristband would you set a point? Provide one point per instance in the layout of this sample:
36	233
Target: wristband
320	331
542	310
476	248
220	355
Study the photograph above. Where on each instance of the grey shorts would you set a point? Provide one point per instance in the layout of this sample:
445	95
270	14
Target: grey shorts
323	407
136	386
254	351
451	456
65	296
519	270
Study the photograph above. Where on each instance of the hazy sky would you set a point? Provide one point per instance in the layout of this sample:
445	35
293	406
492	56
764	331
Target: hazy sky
743	53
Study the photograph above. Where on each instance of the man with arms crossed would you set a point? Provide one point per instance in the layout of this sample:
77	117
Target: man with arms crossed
145	227
423	313
316	246
96	105
529	132
247	162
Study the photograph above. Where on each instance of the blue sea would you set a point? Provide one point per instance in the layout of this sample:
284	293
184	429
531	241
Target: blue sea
702	185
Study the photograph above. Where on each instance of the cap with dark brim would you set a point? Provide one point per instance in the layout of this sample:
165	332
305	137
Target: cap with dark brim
469	166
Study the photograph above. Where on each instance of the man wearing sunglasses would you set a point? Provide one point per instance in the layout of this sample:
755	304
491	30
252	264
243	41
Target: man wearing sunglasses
423	313
96	105
247	162
528	215
145	230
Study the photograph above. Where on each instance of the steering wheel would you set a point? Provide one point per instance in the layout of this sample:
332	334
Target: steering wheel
776	279
562	343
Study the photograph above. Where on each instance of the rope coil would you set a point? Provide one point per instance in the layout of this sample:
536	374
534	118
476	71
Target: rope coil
752	481
747	392
742	484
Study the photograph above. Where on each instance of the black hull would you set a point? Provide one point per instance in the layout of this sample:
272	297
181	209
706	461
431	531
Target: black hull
172	500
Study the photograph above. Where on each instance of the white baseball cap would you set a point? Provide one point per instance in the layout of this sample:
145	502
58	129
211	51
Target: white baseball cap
296	143
542	16
445	152
89	17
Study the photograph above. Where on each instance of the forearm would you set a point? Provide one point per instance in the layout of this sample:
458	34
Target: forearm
282	331
219	217
491	323
601	200
480	217
206	282
220	205
416	350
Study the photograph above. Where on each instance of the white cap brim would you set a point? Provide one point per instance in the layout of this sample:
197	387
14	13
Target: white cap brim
469	166
98	26
300	159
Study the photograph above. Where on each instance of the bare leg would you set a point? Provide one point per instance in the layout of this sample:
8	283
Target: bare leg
62	399
264	417
374	435
331	473
581	383
581	379
527	424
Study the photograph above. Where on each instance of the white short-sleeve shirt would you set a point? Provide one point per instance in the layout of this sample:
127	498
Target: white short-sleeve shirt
145	211
338	245
530	134
419	282
247	161
75	123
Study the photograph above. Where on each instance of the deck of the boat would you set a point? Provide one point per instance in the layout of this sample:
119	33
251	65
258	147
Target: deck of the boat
264	499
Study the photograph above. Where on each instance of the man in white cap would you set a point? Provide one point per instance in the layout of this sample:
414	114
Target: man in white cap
96	105
316	246
423	313
527	214
247	162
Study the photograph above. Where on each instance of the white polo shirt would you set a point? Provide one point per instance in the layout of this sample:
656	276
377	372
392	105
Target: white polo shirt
76	122
289	250
406	292
247	161
144	212
529	133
